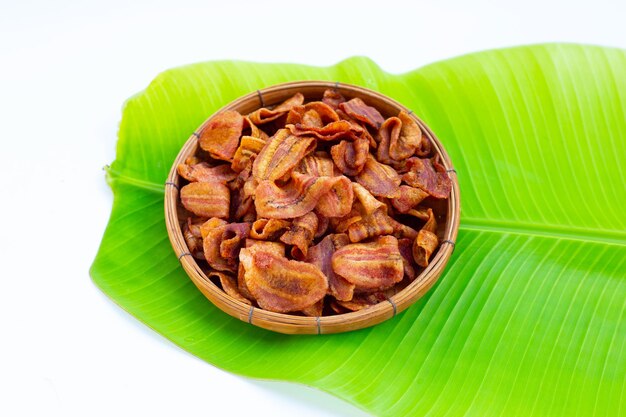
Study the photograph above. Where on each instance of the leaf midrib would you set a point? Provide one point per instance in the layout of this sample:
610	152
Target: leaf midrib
609	237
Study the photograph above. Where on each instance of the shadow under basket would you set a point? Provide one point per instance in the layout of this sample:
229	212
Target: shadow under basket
294	324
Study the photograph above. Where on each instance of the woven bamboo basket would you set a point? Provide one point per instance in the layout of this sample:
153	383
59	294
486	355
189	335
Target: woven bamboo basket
293	324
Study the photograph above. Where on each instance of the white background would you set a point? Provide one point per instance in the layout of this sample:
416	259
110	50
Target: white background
65	69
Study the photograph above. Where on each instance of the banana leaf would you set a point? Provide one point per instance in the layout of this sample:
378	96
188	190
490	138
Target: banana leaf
529	318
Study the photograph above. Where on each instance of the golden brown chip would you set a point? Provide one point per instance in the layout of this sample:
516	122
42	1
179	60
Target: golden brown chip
203	172
371	225
282	153
193	239
338	201
250	129
329	132
295	115
431	222
220	137
241	206
206	199
411	128
222	245
229	285
233	237
264	115
406	250
409	140
379	179
321	254
333	98
315	114
315	310
326	112
424	246
363	133
424	148
241	197
192	160
429	175
350	155
195	225
275	247
389	131
300	234
391	211
249	186
317	165
399	138
366	134
295	100
401	230
341	224
248	149
336	308
420	213
370	266
312	118
209	225
360	111
279	284
368	202
322	225
409	198
298	197
426	241
361	301
241	283
268	229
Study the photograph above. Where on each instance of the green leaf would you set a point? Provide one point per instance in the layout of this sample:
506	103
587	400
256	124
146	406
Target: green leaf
529	317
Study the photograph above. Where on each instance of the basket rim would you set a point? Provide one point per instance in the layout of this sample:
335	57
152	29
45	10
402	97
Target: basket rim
284	322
